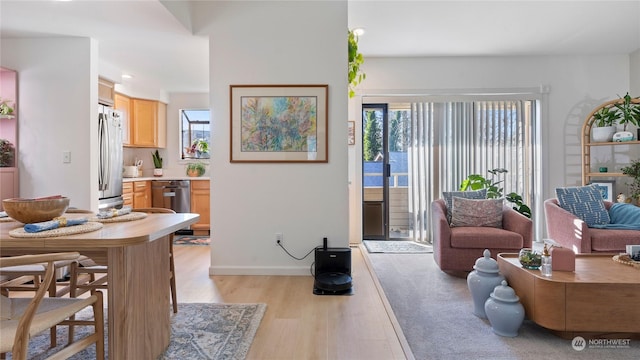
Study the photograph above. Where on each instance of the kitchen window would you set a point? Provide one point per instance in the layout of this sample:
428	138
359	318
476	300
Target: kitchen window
195	133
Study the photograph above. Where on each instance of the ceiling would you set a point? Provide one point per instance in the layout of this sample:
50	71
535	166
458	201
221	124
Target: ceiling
144	38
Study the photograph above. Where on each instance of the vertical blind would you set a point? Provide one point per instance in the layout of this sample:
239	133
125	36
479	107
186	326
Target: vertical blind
452	140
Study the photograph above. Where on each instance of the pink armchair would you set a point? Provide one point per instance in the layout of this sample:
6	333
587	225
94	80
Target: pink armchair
571	232
457	248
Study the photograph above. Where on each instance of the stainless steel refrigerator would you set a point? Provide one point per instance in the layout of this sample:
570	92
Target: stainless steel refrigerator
110	160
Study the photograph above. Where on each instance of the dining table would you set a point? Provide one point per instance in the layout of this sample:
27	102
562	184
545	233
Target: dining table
137	255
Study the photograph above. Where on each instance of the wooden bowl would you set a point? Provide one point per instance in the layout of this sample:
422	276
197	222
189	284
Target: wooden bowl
29	211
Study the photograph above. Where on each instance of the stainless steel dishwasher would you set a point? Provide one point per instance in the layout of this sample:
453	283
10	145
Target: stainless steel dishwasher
171	194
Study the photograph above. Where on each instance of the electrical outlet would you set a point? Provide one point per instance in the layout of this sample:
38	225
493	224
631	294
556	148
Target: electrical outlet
279	239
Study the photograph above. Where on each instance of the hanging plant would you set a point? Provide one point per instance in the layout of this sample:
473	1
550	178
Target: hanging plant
355	60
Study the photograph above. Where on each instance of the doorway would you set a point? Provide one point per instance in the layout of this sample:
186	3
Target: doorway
385	172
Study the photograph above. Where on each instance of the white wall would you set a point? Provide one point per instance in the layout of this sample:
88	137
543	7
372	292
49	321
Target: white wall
57	87
576	85
276	43
634	74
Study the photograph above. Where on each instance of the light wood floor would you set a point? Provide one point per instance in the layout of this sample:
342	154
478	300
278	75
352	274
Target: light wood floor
298	324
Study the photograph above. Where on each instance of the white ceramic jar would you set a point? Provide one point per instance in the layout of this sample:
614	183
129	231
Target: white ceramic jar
504	311
482	281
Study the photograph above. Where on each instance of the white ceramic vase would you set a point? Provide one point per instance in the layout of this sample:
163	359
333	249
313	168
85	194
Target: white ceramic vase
157	172
504	311
482	281
603	134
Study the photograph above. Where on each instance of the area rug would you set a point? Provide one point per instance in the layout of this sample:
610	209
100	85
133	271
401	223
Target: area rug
191	240
198	331
435	313
396	247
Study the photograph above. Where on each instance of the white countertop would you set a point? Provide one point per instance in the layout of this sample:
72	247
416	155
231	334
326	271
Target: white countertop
166	178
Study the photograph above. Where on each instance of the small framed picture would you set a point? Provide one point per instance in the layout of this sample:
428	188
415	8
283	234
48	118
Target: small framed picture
606	188
352	133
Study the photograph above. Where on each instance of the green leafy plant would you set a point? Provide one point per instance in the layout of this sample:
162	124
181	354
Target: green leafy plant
494	191
199	145
157	160
196	167
7	152
633	170
629	111
5	108
606	117
355	60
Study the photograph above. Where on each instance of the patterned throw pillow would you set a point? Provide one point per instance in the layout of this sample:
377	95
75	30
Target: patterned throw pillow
473	212
584	202
448	198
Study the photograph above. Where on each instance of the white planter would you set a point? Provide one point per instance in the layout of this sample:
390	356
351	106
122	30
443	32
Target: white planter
603	134
157	172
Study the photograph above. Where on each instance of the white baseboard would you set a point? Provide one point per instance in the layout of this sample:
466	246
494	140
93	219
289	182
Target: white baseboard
260	270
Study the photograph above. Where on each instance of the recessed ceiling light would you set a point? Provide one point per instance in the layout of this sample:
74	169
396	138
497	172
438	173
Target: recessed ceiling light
127	76
358	31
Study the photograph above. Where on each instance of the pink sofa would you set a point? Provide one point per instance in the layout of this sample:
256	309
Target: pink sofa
458	248
571	232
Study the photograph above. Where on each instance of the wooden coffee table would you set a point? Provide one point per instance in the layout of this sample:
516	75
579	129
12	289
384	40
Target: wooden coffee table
600	299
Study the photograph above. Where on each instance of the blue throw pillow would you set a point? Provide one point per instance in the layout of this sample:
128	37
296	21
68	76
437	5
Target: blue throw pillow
448	198
585	202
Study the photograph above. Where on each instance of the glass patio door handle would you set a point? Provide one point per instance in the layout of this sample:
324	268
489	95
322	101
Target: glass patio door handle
388	170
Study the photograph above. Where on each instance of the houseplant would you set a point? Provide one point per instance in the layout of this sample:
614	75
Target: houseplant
7	152
633	171
355	60
605	120
196	169
199	147
629	111
477	182
157	163
5	108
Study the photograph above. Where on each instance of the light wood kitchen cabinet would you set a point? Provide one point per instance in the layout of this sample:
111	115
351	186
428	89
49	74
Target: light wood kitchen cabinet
200	205
141	194
127	193
148	123
106	91
123	103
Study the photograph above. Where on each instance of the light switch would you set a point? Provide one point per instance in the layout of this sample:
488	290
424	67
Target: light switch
66	157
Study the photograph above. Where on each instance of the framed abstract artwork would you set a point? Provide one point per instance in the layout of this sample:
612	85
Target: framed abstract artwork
279	123
606	188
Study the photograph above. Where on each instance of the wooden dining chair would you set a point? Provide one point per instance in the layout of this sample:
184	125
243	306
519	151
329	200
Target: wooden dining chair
24	317
86	266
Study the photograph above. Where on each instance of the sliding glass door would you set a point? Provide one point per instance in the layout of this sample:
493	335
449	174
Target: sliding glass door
415	150
385	173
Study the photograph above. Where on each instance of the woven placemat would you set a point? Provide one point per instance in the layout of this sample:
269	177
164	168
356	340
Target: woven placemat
69	230
127	217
